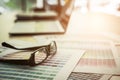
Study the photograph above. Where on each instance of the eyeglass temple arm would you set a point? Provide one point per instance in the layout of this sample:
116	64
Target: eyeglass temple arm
13	47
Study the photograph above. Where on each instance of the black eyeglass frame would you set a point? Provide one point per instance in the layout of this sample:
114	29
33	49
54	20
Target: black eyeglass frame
31	60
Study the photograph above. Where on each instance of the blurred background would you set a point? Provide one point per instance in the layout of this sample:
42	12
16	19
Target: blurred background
29	5
106	6
89	15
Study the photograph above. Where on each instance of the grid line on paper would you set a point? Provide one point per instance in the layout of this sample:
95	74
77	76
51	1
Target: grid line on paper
98	52
52	66
84	76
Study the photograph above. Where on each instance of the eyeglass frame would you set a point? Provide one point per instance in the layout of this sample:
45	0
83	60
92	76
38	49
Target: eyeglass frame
31	60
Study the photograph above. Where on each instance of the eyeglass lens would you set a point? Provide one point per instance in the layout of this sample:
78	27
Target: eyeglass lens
53	48
40	55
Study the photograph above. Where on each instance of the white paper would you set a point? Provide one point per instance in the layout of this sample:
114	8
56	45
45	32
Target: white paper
57	67
100	55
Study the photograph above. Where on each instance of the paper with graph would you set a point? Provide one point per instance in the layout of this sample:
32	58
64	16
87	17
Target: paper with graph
100	55
99	58
57	67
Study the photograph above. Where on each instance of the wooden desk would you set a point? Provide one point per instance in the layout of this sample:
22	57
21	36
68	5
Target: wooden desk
94	22
91	22
6	23
79	23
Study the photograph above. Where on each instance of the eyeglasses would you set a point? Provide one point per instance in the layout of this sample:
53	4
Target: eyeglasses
28	56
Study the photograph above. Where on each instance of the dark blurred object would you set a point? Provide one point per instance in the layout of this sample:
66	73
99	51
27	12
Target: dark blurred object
23	5
48	15
118	8
33	23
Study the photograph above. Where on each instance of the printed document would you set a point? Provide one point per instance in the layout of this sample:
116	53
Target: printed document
58	67
100	55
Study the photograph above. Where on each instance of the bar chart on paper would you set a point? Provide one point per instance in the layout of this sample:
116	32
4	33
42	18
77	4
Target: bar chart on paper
99	56
57	67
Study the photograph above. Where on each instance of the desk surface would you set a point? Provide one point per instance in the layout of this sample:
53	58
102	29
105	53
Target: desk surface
6	23
79	23
90	22
94	22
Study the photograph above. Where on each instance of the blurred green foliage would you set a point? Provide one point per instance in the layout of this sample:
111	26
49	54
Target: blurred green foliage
14	4
19	4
